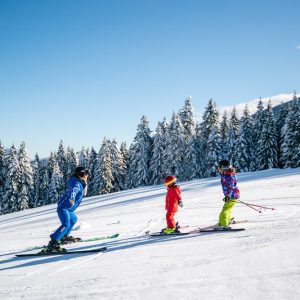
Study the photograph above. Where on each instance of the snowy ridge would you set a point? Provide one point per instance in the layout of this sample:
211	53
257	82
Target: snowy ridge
252	104
261	262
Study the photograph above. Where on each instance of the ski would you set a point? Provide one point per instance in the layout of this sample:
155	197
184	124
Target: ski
169	234
222	230
99	238
81	241
64	253
198	230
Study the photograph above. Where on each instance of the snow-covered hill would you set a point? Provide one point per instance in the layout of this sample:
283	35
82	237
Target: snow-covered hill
262	262
252	104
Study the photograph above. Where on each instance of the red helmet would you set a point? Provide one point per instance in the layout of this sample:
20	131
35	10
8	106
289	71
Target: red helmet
169	180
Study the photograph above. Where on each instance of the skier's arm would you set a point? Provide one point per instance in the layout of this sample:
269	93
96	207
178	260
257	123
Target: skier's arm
179	198
72	195
178	193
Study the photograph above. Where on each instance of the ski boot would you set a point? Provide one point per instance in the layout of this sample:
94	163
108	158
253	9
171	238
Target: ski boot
169	230
54	247
68	239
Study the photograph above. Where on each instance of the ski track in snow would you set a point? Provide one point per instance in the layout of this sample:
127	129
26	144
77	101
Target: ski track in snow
55	268
91	257
150	224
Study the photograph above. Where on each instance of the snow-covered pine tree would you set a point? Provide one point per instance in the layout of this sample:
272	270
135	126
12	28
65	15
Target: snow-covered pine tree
61	157
132	165
198	149
116	165
267	144
165	133
158	157
187	119
224	127
140	156
103	170
258	121
245	143
36	168
175	148
296	149
233	138
124	165
52	161
290	134
213	152
72	162
26	185
210	121
44	182
11	200
2	173
92	163
279	124
191	159
84	158
56	184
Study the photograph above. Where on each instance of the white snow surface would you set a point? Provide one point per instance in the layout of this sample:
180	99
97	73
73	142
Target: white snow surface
262	262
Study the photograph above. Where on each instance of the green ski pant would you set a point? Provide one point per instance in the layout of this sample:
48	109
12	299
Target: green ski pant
225	215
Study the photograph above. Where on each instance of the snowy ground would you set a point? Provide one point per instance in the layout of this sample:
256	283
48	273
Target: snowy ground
262	262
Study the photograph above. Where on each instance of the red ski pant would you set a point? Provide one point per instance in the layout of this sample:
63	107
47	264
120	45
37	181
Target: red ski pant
170	219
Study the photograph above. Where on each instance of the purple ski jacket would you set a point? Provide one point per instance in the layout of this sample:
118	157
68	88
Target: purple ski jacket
229	184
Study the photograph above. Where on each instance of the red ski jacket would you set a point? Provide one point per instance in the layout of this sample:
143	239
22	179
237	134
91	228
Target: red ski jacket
172	197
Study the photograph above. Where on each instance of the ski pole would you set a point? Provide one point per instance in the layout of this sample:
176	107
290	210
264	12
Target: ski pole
264	207
259	210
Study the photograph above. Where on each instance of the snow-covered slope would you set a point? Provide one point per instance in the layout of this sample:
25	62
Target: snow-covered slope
262	262
252	104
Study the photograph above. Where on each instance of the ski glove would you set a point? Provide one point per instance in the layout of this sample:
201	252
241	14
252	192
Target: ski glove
226	199
180	203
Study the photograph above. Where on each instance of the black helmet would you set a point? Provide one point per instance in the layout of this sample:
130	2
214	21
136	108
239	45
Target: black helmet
81	171
224	164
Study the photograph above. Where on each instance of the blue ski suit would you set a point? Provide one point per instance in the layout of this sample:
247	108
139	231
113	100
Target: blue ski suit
66	207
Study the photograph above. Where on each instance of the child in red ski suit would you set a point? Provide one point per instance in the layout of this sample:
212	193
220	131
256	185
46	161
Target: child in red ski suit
173	200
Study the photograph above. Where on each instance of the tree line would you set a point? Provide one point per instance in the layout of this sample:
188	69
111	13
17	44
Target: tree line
183	147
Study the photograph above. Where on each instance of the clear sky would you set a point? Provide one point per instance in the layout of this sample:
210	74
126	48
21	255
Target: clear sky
79	70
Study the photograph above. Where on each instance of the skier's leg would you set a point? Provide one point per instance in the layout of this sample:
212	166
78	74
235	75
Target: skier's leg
170	219
225	215
64	217
73	220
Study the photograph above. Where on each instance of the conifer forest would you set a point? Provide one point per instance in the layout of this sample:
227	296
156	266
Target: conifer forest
181	146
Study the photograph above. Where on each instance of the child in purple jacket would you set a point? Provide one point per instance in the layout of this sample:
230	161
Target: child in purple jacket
231	193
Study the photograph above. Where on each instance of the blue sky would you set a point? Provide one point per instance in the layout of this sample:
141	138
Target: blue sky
81	70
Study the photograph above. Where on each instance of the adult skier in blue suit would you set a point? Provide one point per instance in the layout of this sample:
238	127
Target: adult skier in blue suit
66	207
